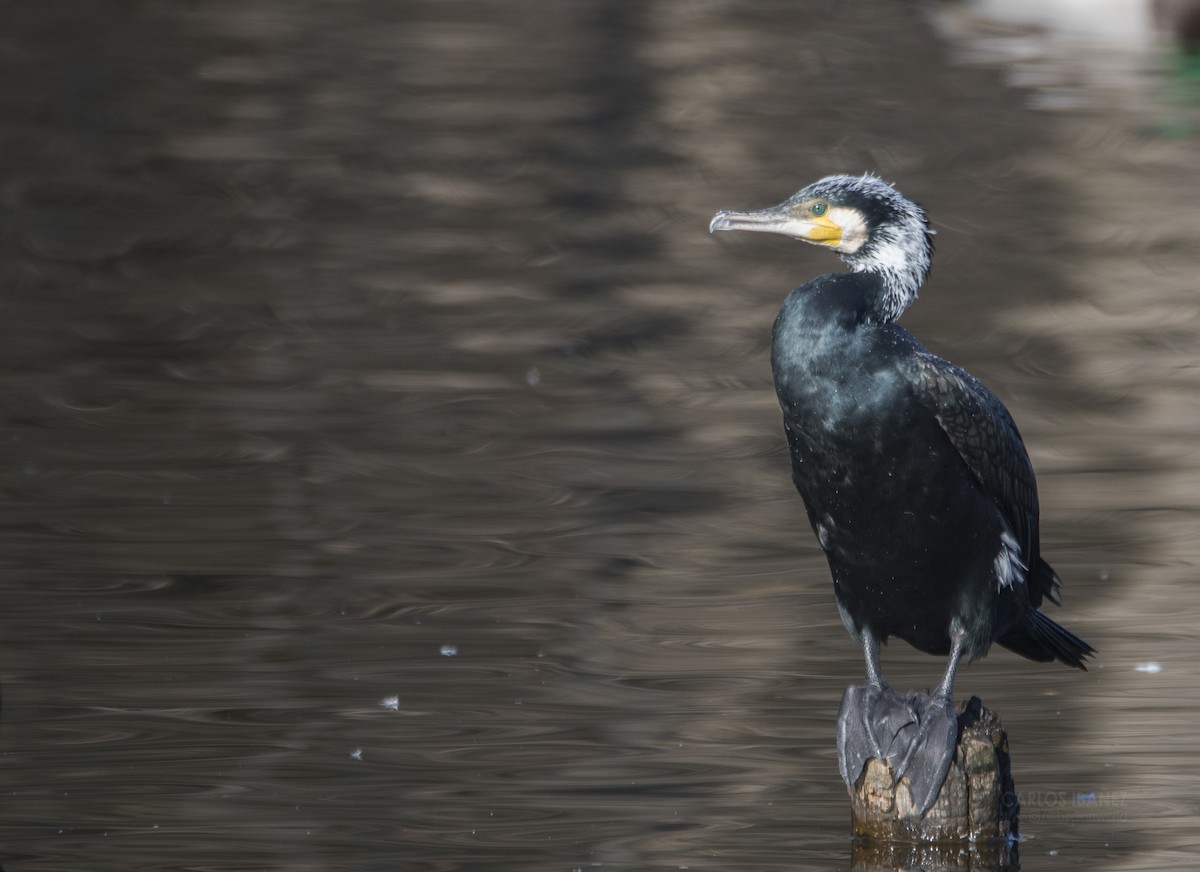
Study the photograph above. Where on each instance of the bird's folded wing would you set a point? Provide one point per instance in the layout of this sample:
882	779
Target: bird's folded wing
985	436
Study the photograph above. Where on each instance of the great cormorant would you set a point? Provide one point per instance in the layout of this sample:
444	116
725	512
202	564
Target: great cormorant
916	481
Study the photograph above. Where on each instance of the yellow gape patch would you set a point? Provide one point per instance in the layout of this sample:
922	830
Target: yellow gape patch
823	230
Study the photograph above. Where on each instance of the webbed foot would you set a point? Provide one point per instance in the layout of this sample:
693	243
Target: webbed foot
917	734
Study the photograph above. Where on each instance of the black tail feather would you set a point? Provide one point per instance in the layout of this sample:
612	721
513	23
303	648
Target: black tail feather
1041	639
1043	581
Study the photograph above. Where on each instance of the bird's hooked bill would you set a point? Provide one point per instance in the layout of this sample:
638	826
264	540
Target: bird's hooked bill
789	218
766	220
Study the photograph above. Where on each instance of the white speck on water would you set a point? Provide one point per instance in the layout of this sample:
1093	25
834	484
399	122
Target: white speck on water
391	703
357	753
533	376
1052	853
449	650
1150	668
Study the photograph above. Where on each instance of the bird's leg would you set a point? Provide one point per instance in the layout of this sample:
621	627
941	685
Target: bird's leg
946	688
871	655
926	754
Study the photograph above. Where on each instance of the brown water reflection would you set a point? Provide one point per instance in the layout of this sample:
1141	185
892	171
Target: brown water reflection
378	352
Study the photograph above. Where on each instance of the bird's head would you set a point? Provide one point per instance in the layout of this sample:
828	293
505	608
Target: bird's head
866	221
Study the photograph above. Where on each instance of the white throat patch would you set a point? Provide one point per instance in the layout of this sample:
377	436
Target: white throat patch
854	228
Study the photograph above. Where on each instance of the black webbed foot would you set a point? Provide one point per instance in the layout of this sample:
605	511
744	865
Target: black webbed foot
858	740
930	749
916	734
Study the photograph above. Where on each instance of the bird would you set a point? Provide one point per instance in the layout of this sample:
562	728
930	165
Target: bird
915	479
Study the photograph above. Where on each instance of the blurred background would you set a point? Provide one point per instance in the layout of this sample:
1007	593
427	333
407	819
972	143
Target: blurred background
392	476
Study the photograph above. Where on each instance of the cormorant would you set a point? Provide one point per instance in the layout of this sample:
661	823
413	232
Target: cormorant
915	478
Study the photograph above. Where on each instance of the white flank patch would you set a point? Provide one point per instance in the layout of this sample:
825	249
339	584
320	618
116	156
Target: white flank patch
1009	567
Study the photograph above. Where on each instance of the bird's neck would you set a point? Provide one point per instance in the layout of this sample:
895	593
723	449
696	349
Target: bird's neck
900	265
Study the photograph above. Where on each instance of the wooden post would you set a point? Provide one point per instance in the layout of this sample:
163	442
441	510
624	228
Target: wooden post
934	857
977	803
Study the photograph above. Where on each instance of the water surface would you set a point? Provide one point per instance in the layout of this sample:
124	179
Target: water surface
392	472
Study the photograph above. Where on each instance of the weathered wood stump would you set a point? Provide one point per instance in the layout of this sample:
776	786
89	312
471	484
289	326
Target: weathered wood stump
934	857
977	802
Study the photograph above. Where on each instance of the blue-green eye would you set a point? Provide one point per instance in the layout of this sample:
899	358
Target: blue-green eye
819	209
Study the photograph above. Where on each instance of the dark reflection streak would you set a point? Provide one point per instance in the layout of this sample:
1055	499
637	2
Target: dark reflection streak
613	138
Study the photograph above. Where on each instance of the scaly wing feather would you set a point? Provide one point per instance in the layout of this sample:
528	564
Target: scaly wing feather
986	438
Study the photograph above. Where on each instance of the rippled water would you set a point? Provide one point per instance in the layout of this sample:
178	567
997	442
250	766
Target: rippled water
392	473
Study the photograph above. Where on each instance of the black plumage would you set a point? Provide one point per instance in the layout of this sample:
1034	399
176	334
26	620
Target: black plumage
914	475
